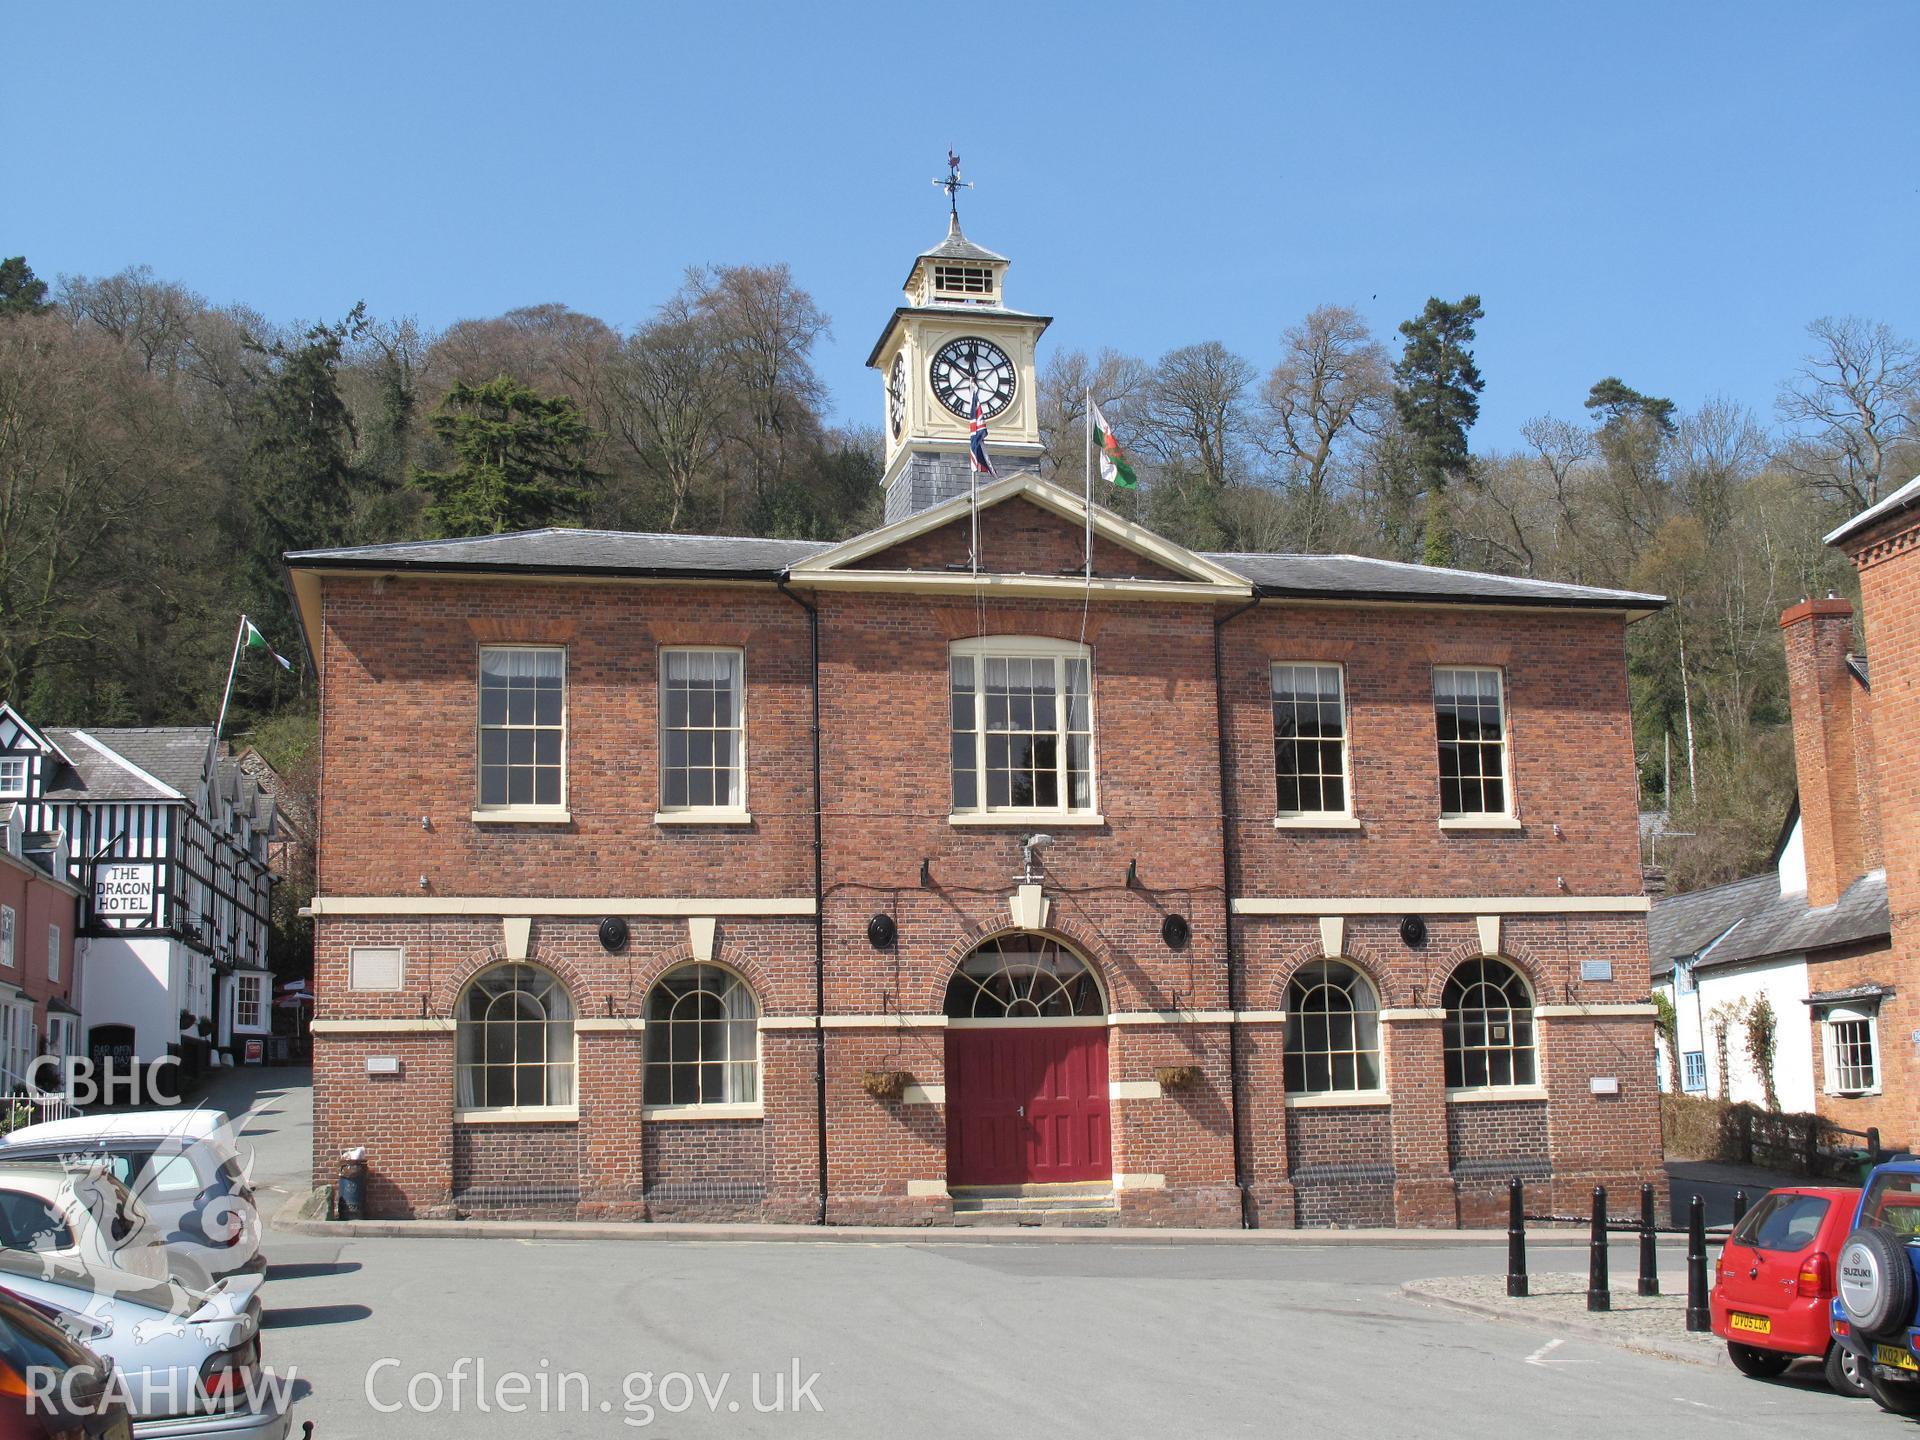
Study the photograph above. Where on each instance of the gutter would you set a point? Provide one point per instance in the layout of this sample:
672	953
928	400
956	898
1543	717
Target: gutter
1235	980
819	908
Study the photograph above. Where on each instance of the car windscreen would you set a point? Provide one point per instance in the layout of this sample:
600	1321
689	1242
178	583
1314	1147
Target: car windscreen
1783	1222
1893	1201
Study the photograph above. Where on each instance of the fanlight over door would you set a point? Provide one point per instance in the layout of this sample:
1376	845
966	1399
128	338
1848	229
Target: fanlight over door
1016	977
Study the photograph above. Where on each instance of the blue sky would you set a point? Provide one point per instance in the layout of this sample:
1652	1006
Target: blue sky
1664	192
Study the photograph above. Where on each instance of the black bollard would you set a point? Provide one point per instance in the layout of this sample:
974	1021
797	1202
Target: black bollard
1739	1206
1874	1153
1699	1318
1516	1237
1649	1267
1598	1296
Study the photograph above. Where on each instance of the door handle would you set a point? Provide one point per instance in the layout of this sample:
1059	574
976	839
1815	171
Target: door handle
1023	1112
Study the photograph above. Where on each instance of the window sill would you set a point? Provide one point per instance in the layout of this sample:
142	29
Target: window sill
1852	1094
1478	822
520	1115
702	1112
702	817
1012	818
1316	822
1483	1094
524	815
1337	1099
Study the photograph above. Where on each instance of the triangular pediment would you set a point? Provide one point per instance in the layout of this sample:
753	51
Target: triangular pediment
1033	534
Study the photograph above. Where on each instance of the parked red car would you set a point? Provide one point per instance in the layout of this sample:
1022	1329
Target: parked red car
1774	1283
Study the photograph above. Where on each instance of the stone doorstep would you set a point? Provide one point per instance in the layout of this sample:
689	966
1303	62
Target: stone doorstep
303	1215
1515	1311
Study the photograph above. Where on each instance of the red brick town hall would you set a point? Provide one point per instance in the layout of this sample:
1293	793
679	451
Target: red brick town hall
1005	858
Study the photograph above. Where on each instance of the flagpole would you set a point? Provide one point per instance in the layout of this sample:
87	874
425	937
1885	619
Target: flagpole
213	744
1089	483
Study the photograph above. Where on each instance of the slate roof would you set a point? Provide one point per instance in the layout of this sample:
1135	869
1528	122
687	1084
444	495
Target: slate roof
558	551
958	247
178	752
1362	577
1758	922
1905	498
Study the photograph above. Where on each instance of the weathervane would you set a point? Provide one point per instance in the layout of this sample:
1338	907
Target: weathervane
953	184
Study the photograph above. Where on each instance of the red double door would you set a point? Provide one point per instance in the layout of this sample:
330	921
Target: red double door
1027	1105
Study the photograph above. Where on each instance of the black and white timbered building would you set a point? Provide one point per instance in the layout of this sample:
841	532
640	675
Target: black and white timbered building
171	857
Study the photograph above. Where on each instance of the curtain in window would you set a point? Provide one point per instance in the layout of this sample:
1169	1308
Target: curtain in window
514	1040
703	1042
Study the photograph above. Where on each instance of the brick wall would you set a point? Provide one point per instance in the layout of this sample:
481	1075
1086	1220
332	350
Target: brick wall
397	730
1890	1111
706	1169
516	1170
1342	1164
1838	812
1888	559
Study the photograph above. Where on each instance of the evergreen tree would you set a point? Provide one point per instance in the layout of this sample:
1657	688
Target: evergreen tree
21	291
1436	396
520	460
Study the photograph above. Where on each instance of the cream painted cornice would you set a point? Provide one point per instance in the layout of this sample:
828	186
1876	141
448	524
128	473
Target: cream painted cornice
425	1025
347	905
1037	587
1594	1012
1445	905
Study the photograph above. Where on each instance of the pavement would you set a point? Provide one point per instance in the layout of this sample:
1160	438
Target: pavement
943	1334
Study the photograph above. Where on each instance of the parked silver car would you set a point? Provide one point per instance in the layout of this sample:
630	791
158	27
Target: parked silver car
187	1362
184	1167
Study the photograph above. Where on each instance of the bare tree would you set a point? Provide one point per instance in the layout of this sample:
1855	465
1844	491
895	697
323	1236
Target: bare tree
1332	386
668	401
1195	410
1852	402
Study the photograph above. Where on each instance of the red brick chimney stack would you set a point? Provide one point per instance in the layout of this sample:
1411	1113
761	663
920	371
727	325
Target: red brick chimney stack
1819	637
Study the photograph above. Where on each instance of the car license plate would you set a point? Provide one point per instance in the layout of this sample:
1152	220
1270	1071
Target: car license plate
1752	1324
1896	1356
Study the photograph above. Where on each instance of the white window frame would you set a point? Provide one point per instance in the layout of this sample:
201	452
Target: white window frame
483	812
1024	647
8	928
1522	1014
657	1029
695	814
10	789
242	984
53	953
565	1110
19	1039
1867	1015
1503	819
1342	818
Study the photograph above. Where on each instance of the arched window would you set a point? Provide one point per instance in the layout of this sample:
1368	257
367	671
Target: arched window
515	1040
1333	1030
1022	977
1488	1030
703	1039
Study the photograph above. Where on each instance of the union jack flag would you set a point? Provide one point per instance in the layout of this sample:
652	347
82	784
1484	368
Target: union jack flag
977	442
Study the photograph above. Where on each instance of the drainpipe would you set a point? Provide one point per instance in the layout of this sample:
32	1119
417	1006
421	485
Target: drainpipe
1236	1000
819	906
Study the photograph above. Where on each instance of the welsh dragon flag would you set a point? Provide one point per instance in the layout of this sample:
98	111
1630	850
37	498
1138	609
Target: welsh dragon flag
257	641
1114	468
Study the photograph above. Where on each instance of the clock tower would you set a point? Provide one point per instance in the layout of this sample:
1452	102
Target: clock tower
952	345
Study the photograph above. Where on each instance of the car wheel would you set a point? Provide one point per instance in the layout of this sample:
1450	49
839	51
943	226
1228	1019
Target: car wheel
1760	1364
1877	1288
1843	1369
1897	1397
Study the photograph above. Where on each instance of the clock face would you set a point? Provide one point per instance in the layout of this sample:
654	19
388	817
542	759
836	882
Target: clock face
970	369
897	394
